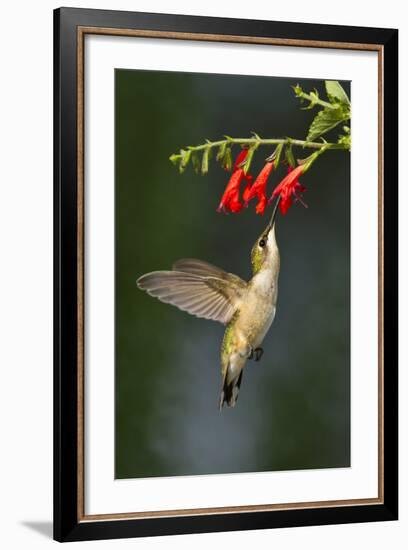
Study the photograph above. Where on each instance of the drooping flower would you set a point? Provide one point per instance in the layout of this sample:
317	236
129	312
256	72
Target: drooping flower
230	199
262	203
289	188
258	189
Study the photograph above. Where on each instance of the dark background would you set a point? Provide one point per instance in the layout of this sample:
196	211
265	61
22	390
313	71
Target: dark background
293	410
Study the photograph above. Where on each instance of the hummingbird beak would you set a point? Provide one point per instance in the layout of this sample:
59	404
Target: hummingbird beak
273	217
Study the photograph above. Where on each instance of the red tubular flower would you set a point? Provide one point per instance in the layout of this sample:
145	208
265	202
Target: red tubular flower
258	189
230	199
262	203
288	187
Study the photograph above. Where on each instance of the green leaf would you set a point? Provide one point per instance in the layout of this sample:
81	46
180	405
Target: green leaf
336	93
326	120
195	159
289	156
249	157
308	161
205	159
175	159
221	151
185	157
227	160
278	153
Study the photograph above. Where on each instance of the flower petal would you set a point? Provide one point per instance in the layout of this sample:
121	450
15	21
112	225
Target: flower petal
260	207
287	188
230	198
258	189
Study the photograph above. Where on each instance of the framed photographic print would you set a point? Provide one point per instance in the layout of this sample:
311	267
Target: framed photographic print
225	274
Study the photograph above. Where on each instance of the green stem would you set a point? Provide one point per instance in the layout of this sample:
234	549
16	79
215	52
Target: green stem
316	100
260	141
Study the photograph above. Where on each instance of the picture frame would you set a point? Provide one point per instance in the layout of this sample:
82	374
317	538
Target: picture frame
71	520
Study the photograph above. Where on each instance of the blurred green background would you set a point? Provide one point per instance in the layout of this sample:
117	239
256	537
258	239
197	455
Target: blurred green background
293	410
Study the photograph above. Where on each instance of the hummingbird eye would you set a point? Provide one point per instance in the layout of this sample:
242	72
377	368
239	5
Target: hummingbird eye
262	243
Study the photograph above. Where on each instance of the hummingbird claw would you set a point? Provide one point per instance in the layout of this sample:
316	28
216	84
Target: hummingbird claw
258	353
251	354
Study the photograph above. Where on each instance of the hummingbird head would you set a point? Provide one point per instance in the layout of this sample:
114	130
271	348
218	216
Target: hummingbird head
265	252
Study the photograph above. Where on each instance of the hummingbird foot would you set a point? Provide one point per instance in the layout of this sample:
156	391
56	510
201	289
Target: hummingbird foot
255	354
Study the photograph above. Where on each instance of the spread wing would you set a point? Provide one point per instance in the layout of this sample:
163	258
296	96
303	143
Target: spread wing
198	288
199	267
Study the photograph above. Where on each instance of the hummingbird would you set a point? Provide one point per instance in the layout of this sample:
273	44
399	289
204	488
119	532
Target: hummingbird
247	309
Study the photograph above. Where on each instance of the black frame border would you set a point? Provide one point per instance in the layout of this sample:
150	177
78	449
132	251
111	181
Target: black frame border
66	524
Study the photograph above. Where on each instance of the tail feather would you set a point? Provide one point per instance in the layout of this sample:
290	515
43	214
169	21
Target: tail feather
230	390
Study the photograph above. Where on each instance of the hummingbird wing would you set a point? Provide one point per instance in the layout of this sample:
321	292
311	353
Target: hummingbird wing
208	296
205	269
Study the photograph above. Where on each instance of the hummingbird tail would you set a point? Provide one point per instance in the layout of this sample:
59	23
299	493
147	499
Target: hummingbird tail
230	390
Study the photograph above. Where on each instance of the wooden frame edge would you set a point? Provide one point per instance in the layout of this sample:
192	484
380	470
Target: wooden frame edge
80	273
196	36
191	512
